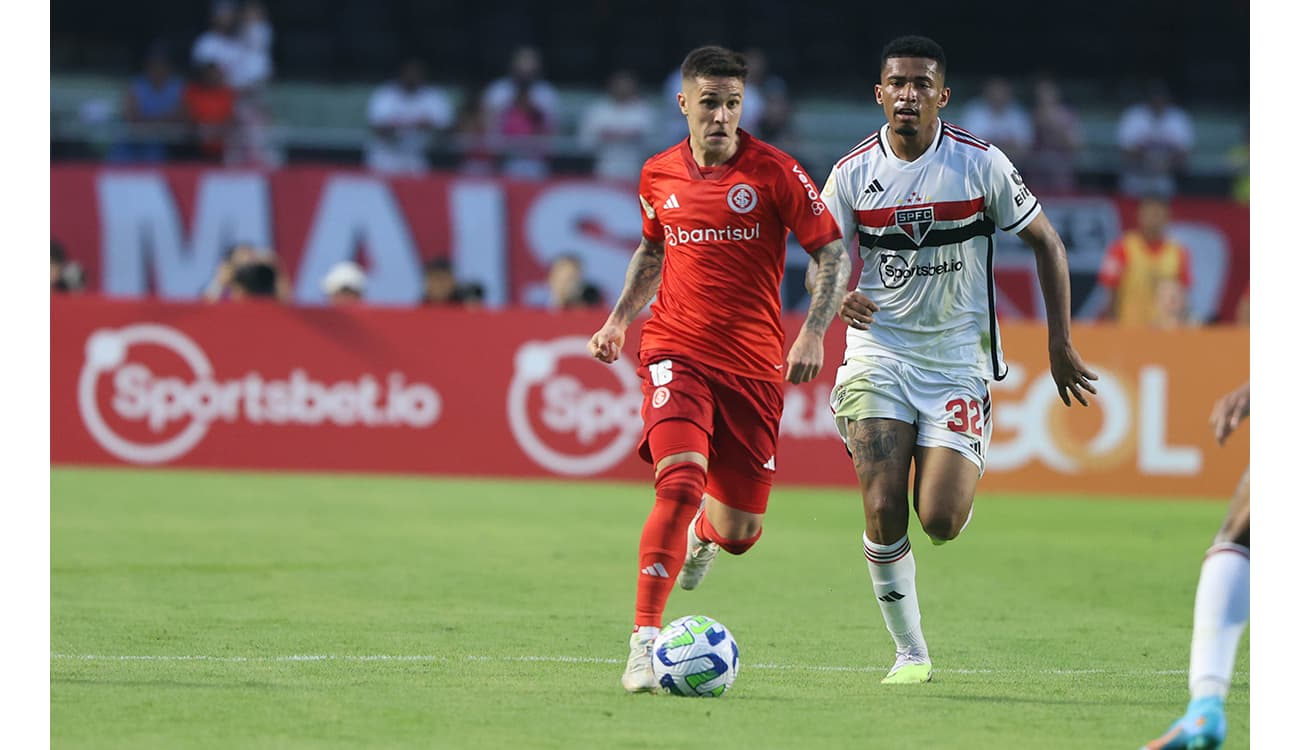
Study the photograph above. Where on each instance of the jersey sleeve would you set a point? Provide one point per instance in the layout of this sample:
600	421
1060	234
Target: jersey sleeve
803	209
1112	265
651	228
1009	202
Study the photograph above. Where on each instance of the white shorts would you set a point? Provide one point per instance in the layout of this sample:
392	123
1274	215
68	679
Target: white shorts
948	411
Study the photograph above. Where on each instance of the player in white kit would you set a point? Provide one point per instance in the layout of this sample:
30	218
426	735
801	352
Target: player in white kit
924	199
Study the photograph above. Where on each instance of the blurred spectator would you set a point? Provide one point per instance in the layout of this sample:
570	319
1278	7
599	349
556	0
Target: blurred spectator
441	288
256	280
237	257
1155	137
1168	304
210	106
65	275
344	284
238	41
996	116
472	137
404	117
154	102
522	109
618	129
1135	265
568	289
1243	307
524	79
1058	137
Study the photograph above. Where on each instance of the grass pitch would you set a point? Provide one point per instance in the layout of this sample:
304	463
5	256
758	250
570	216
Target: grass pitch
210	610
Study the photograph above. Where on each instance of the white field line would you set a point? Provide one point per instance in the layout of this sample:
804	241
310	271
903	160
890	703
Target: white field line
562	660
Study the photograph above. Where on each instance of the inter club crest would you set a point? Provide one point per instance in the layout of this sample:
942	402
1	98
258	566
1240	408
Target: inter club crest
915	222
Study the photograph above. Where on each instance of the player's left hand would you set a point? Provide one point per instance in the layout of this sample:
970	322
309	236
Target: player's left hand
805	359
1070	374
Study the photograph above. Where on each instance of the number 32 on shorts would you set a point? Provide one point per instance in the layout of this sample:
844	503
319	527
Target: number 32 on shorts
965	416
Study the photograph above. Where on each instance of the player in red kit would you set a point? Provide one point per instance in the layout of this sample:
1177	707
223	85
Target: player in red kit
715	212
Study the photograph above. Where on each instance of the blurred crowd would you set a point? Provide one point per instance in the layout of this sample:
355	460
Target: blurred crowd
220	111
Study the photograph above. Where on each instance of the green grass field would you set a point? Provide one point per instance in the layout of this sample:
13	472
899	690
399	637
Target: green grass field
279	611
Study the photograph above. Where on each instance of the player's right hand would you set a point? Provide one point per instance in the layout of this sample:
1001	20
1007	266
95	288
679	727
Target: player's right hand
1229	411
858	310
607	343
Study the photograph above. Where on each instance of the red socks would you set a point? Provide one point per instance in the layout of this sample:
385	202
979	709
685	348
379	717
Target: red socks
679	489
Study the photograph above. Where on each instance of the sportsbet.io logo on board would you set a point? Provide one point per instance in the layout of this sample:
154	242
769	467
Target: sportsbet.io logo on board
148	394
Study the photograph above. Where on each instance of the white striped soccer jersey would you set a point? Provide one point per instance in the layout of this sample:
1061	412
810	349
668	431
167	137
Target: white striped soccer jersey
925	233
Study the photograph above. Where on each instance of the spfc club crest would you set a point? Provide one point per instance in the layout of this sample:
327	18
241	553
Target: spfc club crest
915	222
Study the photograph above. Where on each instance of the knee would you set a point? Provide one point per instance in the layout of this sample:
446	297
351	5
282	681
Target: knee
682	482
941	526
738	536
883	508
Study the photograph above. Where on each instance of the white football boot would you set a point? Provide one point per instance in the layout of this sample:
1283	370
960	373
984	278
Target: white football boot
699	557
639	677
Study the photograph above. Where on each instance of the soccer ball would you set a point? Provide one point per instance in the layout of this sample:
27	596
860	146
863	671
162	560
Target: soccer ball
695	656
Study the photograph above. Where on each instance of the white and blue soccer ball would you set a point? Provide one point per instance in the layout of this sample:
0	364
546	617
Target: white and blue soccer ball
695	656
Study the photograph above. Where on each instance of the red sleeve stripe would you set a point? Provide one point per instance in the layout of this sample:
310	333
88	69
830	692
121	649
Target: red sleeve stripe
866	146
963	139
945	211
963	131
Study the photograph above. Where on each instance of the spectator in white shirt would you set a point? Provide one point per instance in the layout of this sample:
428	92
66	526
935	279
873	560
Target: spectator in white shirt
997	117
238	42
617	129
525	75
404	117
1155	137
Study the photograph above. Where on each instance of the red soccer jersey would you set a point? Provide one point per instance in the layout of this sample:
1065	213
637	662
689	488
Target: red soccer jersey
724	230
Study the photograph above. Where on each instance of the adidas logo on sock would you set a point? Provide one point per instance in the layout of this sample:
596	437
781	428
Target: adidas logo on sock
672	202
875	187
657	570
892	596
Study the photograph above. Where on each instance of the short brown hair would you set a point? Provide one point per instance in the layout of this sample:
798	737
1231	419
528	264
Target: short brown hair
714	62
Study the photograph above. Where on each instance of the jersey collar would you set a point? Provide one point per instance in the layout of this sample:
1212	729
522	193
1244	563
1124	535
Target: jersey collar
903	163
720	171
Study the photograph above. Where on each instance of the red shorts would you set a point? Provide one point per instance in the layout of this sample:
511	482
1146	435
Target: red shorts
742	417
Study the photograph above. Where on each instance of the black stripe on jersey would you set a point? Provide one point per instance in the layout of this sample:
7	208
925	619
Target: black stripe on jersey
1016	227
998	374
982	227
966	133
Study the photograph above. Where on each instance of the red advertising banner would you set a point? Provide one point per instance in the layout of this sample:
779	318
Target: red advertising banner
514	393
161	232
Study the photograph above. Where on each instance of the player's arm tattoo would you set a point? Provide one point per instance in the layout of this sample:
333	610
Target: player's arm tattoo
644	273
1053	276
826	285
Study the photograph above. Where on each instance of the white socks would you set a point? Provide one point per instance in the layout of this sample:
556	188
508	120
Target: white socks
1222	608
893	579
